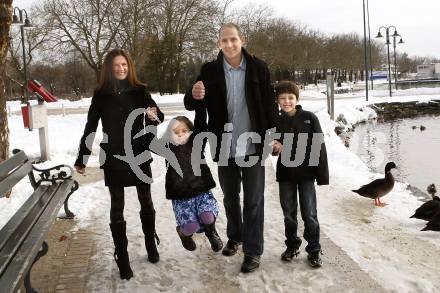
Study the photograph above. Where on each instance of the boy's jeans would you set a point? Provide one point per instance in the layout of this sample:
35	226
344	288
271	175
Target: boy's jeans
307	202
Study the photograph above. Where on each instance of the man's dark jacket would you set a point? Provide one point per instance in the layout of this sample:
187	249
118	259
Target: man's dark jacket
259	99
303	122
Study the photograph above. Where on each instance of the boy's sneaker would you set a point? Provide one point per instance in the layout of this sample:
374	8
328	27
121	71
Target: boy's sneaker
289	254
187	241
314	259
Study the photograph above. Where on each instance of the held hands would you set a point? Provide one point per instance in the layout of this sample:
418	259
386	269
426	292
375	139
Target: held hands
80	170
277	148
198	90
152	114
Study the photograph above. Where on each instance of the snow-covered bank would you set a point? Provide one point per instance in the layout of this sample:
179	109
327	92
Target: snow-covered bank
318	91
382	241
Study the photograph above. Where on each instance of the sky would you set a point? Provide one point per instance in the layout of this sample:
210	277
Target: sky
416	21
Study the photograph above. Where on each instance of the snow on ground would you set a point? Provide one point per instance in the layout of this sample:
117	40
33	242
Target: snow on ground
382	241
358	90
85	102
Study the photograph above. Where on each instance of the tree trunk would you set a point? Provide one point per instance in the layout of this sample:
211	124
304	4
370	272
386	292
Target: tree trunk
5	23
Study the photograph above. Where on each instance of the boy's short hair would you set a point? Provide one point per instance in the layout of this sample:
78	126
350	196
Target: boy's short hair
286	87
229	25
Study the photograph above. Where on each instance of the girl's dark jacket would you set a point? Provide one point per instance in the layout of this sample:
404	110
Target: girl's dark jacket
189	185
259	94
113	110
303	122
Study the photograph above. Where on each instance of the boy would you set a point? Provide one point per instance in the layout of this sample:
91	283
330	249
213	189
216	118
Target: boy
297	171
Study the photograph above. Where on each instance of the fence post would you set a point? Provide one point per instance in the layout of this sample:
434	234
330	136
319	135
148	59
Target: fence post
330	95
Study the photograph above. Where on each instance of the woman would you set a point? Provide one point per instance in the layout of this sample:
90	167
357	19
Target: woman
119	92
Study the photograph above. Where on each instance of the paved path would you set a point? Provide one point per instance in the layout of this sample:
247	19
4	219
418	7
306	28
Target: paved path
79	256
74	257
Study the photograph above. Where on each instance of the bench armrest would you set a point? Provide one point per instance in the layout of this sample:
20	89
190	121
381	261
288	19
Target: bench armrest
51	175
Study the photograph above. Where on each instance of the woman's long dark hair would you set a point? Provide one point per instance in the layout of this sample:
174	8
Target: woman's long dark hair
107	81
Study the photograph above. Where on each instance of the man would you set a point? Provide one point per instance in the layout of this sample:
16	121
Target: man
236	89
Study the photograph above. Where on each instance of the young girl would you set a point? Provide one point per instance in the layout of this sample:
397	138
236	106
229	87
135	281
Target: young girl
193	203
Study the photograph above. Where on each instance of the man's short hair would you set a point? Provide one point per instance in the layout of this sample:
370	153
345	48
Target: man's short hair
286	87
229	25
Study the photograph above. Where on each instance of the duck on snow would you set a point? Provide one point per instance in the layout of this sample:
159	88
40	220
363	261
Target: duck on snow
379	187
428	209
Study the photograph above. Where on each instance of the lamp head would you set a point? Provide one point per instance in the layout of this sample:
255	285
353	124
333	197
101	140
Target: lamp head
27	23
401	41
15	19
379	35
396	34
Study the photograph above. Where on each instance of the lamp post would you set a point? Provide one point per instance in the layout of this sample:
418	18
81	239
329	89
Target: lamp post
395	62
369	45
388	43
34	116
18	20
365	53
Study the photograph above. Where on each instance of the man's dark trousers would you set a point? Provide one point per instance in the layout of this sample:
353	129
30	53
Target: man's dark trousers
249	227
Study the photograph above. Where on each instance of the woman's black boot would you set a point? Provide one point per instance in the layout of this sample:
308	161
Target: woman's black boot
121	255
148	226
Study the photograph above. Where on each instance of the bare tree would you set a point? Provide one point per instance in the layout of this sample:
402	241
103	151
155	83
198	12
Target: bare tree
180	27
135	28
252	18
5	23
90	26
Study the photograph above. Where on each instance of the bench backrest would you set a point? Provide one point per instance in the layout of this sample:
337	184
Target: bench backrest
13	170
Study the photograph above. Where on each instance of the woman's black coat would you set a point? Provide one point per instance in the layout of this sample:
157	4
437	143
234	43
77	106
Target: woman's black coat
113	110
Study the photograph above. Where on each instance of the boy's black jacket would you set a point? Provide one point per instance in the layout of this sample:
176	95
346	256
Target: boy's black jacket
189	185
302	122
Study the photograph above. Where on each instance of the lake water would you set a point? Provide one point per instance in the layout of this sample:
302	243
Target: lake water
416	152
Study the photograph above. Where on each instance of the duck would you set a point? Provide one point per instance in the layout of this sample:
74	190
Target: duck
379	187
422	127
431	189
434	224
428	210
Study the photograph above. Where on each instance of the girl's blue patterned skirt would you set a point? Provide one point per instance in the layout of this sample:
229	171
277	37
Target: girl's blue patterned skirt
188	210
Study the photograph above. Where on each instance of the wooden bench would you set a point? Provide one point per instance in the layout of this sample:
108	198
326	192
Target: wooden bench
22	239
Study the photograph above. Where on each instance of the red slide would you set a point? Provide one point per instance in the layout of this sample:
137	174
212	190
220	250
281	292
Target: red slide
36	87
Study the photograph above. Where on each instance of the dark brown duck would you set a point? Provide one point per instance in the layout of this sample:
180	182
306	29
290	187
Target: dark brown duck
434	224
379	187
430	208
